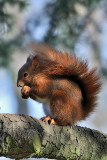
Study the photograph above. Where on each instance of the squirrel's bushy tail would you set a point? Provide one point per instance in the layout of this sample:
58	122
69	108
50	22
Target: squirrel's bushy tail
88	82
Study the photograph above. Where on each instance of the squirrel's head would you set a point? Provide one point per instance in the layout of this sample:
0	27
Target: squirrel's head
24	76
34	65
26	73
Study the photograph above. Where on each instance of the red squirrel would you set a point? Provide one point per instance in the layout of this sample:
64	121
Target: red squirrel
62	82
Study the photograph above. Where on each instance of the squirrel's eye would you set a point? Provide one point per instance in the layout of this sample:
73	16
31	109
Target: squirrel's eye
25	74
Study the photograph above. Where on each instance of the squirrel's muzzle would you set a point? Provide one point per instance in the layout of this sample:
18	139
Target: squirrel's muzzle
20	84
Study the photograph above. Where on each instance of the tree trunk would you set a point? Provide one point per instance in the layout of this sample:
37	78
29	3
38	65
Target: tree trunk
23	137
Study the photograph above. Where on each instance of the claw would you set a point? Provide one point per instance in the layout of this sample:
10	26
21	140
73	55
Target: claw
49	120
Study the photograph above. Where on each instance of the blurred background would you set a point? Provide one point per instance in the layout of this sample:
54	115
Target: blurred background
78	27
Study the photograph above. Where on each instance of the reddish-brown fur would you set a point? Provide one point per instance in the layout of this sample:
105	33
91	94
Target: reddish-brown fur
62	81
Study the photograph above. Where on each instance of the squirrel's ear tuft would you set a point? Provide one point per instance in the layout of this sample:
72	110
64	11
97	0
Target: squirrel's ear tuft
29	58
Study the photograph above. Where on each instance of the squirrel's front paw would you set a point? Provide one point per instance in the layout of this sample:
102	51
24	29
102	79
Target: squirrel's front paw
25	92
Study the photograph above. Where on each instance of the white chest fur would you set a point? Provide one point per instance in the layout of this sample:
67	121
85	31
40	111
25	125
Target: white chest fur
41	100
46	106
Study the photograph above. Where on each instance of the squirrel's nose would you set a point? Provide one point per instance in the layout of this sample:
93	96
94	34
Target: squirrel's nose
20	84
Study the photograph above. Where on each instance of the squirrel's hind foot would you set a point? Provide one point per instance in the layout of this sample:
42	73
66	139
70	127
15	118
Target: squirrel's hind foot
49	120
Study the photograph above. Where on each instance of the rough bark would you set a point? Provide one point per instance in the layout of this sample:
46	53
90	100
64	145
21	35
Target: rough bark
23	137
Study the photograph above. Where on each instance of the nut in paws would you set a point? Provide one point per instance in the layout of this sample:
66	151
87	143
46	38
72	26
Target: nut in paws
25	92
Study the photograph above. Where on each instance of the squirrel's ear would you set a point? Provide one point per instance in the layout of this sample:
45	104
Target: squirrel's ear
35	62
43	50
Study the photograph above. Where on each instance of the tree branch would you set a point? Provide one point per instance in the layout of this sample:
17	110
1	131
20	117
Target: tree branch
23	137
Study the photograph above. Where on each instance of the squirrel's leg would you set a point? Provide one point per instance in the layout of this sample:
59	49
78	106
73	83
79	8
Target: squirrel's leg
33	93
62	108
